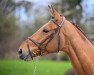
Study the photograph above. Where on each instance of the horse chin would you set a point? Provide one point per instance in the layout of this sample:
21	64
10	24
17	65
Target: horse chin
27	58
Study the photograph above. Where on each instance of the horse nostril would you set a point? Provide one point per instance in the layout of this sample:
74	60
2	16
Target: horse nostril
20	51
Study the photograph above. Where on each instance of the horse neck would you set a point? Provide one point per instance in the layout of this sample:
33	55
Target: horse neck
79	49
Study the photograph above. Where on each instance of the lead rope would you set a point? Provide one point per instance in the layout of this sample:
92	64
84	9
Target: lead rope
35	66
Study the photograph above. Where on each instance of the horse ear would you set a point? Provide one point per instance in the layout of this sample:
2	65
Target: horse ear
54	13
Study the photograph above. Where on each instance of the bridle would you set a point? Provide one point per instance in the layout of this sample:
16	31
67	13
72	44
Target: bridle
47	40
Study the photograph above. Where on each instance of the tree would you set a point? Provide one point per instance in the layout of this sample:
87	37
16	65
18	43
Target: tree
8	26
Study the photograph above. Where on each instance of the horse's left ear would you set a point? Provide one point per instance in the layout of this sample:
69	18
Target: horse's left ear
54	13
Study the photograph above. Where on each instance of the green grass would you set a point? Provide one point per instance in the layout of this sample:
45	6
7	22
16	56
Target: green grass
13	67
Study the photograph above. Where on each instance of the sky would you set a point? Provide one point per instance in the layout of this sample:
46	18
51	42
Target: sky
88	8
37	3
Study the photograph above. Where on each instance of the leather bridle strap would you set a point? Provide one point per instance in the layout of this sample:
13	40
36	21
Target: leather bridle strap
57	30
48	39
29	51
59	27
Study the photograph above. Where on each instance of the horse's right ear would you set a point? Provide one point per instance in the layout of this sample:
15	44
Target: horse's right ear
54	13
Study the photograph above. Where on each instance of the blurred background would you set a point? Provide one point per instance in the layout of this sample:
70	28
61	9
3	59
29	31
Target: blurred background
19	19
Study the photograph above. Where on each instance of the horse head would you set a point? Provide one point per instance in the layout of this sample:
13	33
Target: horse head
46	40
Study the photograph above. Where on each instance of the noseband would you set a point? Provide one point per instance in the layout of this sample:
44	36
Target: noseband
48	39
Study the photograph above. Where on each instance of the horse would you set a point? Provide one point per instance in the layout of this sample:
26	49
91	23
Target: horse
60	35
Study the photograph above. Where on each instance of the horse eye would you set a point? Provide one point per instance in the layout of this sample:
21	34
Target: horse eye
52	17
45	30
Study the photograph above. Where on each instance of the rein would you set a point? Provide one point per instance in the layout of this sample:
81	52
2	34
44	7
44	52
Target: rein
48	39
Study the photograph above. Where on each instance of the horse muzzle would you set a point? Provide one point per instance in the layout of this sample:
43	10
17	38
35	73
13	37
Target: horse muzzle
24	56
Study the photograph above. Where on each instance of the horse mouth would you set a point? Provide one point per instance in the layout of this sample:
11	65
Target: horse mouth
24	57
29	56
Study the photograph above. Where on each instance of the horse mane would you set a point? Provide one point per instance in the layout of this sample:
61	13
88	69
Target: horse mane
82	34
